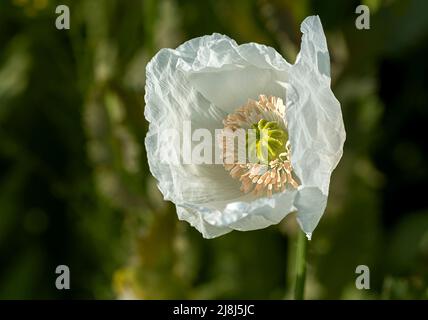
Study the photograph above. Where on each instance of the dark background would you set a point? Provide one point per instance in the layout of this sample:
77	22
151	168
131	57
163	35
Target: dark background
74	182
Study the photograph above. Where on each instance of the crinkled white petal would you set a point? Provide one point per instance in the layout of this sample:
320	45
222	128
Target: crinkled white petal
170	101
315	121
208	77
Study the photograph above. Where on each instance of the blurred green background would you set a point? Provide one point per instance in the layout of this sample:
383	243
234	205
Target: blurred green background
75	188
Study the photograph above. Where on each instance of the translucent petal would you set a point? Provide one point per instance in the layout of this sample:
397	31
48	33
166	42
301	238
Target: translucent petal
316	127
225	73
170	101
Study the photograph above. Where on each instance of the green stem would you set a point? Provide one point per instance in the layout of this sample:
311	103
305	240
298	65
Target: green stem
299	289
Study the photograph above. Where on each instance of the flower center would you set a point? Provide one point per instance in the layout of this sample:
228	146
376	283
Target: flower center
270	140
269	168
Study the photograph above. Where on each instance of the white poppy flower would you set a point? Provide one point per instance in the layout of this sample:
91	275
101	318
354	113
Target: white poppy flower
212	83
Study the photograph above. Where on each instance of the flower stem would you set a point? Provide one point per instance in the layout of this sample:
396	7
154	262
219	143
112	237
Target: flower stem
299	289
